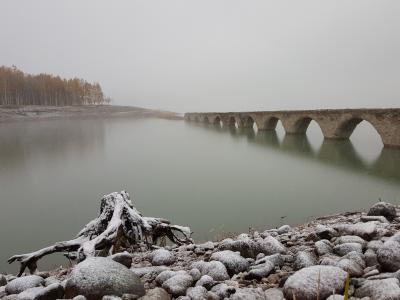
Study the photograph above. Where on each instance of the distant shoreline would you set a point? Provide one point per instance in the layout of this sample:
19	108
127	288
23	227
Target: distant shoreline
38	112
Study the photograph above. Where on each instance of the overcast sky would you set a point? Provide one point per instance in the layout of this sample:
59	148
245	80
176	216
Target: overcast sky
214	55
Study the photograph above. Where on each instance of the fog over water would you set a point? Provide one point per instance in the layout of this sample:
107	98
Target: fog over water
214	55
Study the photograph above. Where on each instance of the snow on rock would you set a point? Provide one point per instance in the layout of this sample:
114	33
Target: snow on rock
304	259
206	281
215	269
343	249
386	289
233	261
123	258
274	294
197	293
21	284
162	257
389	254
365	230
304	283
178	284
385	209
249	294
53	291
98	276
156	294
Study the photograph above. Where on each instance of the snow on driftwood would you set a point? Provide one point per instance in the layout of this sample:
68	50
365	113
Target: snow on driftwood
119	226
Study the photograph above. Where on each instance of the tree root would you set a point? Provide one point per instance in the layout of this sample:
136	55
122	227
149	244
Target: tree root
118	226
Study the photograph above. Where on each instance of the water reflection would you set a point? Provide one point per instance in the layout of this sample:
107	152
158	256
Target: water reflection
20	143
337	153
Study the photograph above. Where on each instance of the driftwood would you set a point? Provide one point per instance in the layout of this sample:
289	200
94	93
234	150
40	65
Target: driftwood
119	225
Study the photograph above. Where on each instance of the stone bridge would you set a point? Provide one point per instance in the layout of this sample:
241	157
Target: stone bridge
334	123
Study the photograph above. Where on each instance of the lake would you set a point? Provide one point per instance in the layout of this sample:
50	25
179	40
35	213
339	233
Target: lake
215	180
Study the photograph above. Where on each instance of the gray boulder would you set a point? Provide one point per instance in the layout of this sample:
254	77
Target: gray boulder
53	291
250	248
284	229
178	284
325	232
206	281
274	294
197	293
323	247
156	294
386	289
162	257
260	271
249	294
366	230
344	239
215	269
343	249
153	270
96	277
233	262
304	259
389	254
304	283
223	290
383	209
21	284
123	258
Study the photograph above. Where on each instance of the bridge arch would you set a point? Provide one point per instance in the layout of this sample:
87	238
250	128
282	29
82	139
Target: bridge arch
346	127
217	120
248	121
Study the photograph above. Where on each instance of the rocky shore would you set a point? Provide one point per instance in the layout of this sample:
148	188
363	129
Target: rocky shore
308	262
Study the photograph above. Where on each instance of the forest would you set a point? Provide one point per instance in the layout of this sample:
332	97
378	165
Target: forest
19	88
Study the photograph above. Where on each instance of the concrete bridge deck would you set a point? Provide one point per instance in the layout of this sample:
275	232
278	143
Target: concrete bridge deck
334	123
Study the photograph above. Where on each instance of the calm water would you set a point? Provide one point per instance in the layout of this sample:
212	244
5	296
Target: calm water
53	173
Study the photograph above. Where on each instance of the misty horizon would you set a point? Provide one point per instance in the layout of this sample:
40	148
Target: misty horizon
213	56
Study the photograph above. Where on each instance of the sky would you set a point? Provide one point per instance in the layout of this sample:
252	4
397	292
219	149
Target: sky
213	55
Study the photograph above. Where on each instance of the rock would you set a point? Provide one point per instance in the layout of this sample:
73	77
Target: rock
123	258
371	259
389	254
215	269
206	246
233	262
260	271
178	284
79	297
365	230
374	245
323	247
10	297
2	291
344	239
325	232
156	294
165	275
3	280
223	290
275	259
96	277
343	249
21	284
53	291
112	297
50	280
250	248
197	293
284	229
162	257
274	294
155	270
335	297
350	266
206	281
383	209
303	284
195	273
381	219
386	289
304	259
249	294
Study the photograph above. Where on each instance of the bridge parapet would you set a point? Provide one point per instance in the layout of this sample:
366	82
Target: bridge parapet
334	123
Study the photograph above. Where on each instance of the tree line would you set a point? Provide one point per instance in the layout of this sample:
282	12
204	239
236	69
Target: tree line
19	88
